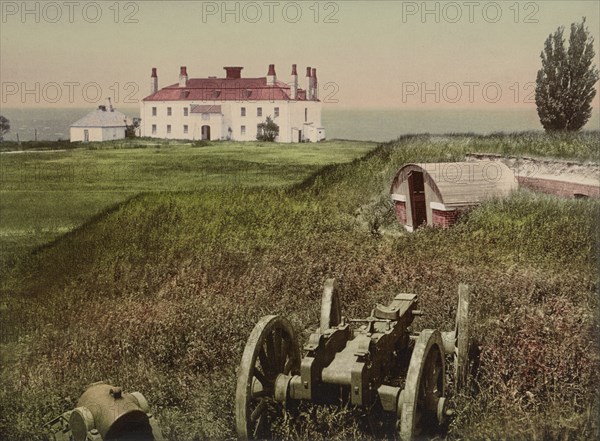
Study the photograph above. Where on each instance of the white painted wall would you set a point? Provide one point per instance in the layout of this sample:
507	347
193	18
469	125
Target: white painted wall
291	119
96	134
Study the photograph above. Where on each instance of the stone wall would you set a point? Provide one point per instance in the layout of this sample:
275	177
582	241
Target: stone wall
551	176
400	208
443	218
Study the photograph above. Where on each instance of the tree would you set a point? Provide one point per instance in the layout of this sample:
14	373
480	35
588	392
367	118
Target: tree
130	130
565	83
4	126
268	130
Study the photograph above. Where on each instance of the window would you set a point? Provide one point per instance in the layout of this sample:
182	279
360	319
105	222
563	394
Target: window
154	111
243	111
243	130
259	111
169	111
305	114
276	112
154	129
168	128
185	129
185	111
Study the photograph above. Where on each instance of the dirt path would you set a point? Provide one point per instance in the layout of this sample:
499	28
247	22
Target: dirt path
14	152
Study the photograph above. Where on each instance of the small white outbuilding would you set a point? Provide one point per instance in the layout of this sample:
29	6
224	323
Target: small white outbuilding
100	125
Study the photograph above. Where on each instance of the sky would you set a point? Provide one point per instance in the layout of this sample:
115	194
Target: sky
368	54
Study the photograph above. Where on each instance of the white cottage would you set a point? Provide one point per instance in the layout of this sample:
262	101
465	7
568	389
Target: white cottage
232	107
100	125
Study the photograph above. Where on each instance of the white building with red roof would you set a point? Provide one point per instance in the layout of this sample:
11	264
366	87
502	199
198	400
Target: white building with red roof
232	107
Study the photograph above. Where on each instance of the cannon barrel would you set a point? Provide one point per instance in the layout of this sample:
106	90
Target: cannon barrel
104	413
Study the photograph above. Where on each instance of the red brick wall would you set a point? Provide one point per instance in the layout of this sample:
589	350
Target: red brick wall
400	211
443	219
559	188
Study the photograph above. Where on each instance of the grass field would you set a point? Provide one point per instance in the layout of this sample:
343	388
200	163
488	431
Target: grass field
160	293
46	194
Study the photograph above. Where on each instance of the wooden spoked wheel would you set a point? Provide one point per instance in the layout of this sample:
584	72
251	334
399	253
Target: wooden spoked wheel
421	403
461	330
271	350
331	309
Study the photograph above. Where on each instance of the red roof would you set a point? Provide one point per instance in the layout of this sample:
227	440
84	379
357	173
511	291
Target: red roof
224	89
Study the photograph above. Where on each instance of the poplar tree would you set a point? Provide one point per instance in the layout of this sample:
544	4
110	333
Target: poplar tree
565	85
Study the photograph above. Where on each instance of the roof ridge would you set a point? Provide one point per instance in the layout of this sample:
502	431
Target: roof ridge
101	118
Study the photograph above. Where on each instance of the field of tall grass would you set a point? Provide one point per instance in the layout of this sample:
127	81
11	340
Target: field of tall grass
44	194
160	292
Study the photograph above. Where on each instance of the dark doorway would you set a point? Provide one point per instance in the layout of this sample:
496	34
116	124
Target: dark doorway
206	133
299	135
416	188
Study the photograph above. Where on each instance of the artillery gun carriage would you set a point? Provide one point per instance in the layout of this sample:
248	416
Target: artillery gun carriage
370	360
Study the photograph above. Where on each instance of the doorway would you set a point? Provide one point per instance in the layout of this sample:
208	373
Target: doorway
416	188
206	133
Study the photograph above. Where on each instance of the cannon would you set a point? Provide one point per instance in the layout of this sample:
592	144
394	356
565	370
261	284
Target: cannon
104	413
375	360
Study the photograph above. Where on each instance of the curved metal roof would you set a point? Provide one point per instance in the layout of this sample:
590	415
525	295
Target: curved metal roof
462	183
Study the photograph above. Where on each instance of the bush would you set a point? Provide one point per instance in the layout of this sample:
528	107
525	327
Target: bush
267	131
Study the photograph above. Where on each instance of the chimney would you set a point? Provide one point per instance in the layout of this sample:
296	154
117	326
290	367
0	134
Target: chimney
294	86
110	107
233	73
314	84
271	76
154	81
308	83
183	77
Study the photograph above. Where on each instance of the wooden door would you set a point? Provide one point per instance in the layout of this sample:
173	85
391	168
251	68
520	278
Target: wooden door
206	133
416	188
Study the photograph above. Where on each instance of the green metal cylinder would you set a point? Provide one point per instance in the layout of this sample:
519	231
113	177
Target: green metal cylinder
107	411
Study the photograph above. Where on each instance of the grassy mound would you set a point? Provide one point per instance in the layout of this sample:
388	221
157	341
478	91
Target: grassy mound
47	192
160	293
